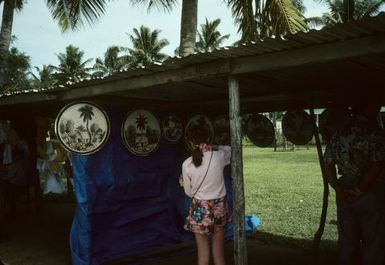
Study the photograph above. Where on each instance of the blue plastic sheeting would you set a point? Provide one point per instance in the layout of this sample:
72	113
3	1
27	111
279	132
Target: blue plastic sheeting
127	204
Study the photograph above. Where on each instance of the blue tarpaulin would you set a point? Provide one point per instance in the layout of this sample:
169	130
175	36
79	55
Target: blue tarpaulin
128	204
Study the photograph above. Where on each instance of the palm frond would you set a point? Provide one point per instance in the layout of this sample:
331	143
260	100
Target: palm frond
70	15
166	5
368	8
146	47
284	17
243	14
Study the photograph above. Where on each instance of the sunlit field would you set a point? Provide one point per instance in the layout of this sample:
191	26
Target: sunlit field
284	189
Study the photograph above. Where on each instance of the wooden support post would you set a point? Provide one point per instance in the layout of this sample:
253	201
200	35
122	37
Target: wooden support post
325	200
240	249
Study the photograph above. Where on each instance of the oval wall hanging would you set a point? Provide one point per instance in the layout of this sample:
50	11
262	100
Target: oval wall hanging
260	130
297	127
222	130
82	127
172	128
330	119
201	121
141	132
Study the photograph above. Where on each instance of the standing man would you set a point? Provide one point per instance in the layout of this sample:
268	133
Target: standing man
358	151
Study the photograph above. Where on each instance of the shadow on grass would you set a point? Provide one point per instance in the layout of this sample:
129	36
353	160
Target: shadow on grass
327	249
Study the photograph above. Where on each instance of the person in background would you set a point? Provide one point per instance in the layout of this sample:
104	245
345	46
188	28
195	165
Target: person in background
358	150
203	182
16	178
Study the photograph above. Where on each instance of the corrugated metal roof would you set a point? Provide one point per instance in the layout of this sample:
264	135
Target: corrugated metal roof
368	27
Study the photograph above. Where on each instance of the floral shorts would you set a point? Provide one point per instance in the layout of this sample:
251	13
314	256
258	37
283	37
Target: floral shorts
205	215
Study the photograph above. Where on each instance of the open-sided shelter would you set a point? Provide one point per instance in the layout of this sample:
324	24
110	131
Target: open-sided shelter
301	71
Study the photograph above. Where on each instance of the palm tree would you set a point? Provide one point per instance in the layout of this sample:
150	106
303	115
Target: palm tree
111	62
188	27
16	70
141	122
6	32
146	46
339	12
7	21
45	76
209	36
71	66
86	113
263	18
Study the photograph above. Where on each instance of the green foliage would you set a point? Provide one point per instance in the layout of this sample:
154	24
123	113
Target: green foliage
111	63
266	18
284	189
167	5
146	47
209	38
44	78
71	67
70	15
339	11
16	71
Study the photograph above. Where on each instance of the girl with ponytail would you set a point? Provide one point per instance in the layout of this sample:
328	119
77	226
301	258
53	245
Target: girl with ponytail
203	181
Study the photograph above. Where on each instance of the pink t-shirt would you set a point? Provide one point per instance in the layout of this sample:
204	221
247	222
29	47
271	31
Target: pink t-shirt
213	186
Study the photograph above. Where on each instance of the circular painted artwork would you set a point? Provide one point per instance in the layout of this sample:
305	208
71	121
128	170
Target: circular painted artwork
297	127
172	128
200	121
260	130
222	130
330	119
141	132
82	127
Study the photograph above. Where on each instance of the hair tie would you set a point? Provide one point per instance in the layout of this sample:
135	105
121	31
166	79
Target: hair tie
205	148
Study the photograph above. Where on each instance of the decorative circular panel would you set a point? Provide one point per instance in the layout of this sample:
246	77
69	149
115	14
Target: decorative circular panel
200	121
260	130
141	132
330	119
82	127
172	128
297	126
222	130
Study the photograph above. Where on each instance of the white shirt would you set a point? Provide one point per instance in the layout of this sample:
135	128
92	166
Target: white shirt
213	186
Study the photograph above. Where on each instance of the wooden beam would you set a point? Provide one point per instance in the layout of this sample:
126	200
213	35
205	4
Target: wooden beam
205	70
26	98
240	250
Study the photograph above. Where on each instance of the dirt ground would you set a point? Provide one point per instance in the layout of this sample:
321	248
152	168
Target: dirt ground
42	239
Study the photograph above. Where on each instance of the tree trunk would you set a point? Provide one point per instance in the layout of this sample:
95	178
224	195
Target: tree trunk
188	29
349	6
6	25
5	35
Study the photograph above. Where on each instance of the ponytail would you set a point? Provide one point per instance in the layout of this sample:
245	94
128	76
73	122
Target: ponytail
197	136
197	156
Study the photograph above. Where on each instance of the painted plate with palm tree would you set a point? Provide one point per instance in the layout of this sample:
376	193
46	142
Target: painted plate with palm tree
222	130
141	132
260	130
297	127
199	121
82	127
172	128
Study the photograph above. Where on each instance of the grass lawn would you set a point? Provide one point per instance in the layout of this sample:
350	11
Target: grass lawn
284	189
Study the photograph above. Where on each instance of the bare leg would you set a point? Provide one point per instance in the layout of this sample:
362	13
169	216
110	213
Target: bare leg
203	245
218	239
